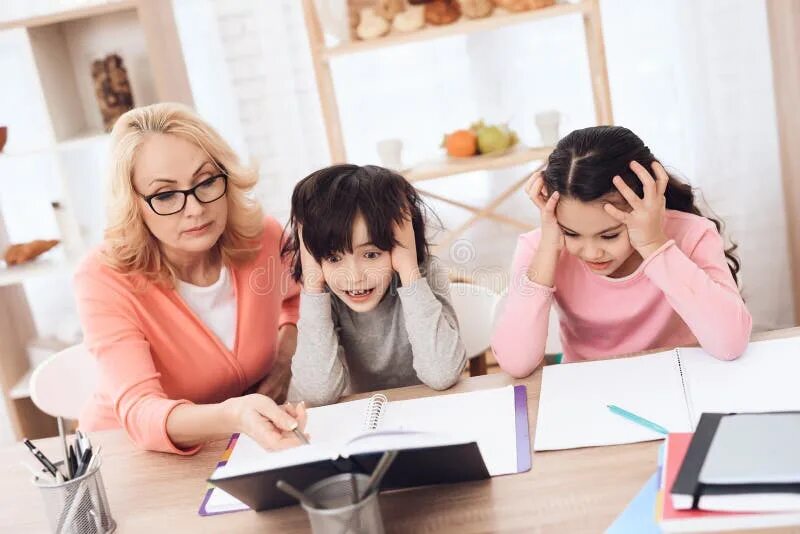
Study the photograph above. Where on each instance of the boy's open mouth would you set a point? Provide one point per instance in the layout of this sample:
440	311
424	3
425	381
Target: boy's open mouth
358	293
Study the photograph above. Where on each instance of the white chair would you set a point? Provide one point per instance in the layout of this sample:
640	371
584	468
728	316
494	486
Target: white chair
61	385
474	306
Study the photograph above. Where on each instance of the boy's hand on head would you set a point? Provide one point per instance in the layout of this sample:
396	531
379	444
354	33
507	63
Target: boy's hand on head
313	279
552	236
645	221
404	254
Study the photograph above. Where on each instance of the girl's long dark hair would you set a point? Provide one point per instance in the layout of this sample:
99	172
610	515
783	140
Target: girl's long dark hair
585	162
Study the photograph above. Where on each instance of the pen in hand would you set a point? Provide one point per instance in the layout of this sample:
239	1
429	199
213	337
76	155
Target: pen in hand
302	437
297	411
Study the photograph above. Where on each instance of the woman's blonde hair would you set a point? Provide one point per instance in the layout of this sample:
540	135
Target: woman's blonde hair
130	247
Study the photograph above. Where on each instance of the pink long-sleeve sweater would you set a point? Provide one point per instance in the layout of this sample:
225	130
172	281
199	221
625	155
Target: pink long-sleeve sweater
680	295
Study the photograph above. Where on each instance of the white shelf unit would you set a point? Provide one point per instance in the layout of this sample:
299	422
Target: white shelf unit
61	47
448	166
18	274
499	18
324	56
21	389
64	53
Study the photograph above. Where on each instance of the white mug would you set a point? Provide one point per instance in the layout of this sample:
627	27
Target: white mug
390	153
547	122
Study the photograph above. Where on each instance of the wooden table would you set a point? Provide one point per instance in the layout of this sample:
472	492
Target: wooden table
580	490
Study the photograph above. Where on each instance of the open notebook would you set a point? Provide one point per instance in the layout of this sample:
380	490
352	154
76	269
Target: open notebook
669	388
445	438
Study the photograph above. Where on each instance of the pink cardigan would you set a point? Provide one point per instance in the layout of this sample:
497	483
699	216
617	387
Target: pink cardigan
680	295
153	353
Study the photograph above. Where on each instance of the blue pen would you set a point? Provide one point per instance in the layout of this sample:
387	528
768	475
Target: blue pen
638	420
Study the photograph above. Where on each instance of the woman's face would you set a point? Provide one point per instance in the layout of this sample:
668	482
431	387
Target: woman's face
168	163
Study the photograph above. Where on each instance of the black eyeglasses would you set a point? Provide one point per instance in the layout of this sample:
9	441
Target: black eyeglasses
170	202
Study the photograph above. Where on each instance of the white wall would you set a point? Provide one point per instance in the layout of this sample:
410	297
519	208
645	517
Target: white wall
694	80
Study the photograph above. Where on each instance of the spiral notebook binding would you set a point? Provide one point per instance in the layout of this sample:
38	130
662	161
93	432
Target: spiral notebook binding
374	411
684	386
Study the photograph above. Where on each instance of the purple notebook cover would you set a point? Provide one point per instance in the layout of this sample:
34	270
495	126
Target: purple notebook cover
223	461
523	433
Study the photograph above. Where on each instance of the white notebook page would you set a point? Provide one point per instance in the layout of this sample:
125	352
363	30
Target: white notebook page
329	427
766	378
573	403
487	417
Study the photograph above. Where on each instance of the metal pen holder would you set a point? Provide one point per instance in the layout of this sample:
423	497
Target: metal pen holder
336	512
77	506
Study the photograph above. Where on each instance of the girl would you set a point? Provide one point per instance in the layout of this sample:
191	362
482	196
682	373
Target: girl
627	256
375	310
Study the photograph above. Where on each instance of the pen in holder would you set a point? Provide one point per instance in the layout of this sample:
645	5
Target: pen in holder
346	503
79	505
335	512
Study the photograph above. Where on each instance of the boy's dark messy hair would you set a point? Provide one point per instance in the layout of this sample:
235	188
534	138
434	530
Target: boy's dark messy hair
326	203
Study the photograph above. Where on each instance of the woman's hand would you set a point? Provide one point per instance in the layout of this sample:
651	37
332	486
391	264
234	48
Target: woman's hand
404	254
313	279
552	236
645	221
270	425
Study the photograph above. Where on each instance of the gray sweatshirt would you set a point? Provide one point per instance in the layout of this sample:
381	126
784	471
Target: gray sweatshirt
411	337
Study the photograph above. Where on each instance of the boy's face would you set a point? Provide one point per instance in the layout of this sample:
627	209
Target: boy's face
360	279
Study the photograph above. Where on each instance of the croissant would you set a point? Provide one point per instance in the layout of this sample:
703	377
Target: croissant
476	9
409	20
441	12
371	25
22	252
389	9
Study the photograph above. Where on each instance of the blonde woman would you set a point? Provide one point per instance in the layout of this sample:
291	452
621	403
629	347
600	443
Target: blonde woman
186	305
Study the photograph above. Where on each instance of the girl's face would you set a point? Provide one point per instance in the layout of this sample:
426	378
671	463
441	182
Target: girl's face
359	278
596	238
167	163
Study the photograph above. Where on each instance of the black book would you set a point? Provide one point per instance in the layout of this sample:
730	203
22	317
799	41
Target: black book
741	463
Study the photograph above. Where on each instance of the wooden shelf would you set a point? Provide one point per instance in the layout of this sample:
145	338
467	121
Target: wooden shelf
99	8
22	389
26	152
499	19
447	166
17	274
83	138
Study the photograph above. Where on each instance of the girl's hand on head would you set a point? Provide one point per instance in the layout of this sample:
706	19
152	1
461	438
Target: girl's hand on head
645	221
552	236
313	279
404	254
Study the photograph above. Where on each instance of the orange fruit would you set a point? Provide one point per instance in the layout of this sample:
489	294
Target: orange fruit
461	143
